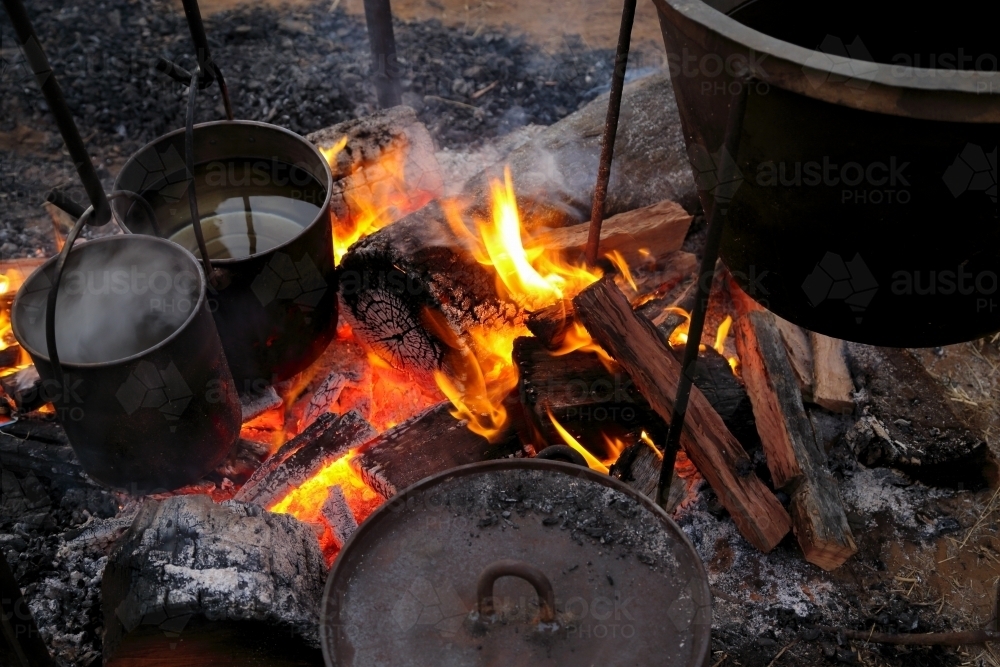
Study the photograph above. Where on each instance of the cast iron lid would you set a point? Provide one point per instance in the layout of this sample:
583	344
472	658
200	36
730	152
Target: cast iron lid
586	572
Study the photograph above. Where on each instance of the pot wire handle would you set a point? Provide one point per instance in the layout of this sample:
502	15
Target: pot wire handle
50	303
521	570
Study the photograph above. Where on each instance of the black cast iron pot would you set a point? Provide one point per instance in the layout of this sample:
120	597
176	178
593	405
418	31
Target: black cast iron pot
276	311
517	562
866	202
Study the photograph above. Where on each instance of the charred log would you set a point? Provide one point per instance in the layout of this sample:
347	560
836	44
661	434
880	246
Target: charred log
325	441
635	343
430	443
193	583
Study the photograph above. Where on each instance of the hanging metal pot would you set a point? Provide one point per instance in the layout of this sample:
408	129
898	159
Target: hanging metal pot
274	291
864	202
517	562
131	360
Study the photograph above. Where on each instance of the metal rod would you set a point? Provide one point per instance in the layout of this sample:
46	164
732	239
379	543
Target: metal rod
190	164
39	64
610	132
706	275
197	27
378	16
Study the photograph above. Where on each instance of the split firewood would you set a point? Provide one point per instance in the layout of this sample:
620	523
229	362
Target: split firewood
635	343
196	583
800	355
326	440
832	386
658	229
386	157
796	463
796	339
429	443
578	390
639	467
909	420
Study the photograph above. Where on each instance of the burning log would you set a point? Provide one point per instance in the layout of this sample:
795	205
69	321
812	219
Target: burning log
583	396
385	157
636	344
797	465
341	371
832	387
24	387
430	443
326	440
908	422
253	405
195	583
550	324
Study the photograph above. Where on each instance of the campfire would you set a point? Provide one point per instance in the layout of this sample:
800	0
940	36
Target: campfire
471	328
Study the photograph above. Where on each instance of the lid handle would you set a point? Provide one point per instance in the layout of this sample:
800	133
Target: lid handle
521	570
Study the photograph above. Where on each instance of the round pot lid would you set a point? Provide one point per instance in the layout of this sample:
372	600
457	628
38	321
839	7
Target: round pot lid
517	562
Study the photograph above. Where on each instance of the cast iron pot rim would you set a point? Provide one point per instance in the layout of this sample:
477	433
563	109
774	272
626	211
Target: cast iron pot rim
324	211
914	80
102	364
570	469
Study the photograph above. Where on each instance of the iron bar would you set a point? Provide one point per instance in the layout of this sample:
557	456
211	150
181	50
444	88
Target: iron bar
610	132
385	68
706	275
190	164
46	78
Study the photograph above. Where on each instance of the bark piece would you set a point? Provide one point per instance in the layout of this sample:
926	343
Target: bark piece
659	229
797	465
325	441
635	343
832	385
427	444
193	582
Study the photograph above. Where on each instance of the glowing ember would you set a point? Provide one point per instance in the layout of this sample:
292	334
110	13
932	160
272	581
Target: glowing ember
591	460
306	501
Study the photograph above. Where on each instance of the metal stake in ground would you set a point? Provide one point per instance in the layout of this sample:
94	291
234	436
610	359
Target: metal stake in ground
706	274
39	64
385	68
610	131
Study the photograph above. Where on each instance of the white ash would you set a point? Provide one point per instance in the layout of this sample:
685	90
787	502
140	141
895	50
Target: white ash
188	556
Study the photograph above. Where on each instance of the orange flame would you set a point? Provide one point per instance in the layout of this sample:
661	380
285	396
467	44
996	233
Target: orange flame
380	197
527	272
679	336
479	378
577	338
591	460
615	448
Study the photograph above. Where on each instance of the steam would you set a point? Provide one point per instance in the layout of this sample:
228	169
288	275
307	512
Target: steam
118	297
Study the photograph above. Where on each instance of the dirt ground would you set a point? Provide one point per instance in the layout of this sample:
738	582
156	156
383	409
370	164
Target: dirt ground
546	22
